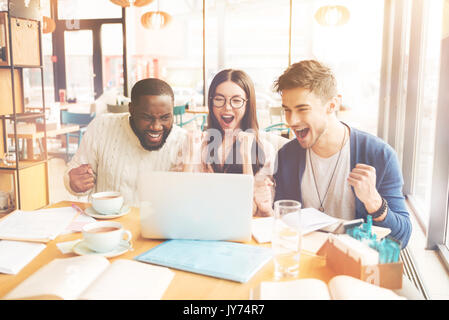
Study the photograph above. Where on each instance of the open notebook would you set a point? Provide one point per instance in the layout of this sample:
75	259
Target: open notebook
339	288
311	220
94	278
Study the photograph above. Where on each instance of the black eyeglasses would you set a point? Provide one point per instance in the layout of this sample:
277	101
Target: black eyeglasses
236	102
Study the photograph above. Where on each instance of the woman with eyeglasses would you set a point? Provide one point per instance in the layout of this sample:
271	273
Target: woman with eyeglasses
231	143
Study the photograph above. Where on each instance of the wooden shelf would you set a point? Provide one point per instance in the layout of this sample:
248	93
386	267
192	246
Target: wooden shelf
25	34
20	38
4	38
6	92
23	116
30	181
7	66
23	164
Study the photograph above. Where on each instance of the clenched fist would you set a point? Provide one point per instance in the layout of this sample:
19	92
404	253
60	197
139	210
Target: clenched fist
246	140
363	179
82	179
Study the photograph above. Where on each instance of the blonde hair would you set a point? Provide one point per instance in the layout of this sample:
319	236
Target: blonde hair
311	75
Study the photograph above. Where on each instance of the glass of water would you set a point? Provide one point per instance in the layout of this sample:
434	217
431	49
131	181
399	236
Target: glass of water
286	240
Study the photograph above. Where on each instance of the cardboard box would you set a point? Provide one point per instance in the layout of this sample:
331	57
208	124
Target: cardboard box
387	275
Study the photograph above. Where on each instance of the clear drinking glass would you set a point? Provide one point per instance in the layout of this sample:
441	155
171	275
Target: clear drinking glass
286	240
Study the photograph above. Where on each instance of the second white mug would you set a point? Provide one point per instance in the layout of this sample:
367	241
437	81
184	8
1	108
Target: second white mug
104	236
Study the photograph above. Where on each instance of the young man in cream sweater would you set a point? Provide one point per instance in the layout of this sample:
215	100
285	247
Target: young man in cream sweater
117	148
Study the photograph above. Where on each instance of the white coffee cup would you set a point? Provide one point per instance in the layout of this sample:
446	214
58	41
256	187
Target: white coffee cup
109	202
104	236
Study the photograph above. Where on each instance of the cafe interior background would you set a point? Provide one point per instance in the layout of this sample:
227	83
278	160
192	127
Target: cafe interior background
388	57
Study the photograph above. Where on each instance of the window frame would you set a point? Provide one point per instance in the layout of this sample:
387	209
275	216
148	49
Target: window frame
398	124
94	25
439	209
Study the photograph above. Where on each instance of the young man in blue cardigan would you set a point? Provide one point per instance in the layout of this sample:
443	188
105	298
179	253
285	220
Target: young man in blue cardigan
342	171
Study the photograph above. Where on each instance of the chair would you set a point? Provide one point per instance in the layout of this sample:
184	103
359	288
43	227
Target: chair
178	111
281	127
81	119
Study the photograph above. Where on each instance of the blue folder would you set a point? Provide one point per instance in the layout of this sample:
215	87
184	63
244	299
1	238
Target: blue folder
220	259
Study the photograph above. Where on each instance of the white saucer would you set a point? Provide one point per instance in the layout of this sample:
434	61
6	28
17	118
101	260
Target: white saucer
81	249
91	212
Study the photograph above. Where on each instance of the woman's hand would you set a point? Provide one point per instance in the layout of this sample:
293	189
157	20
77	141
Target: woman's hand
193	150
246	140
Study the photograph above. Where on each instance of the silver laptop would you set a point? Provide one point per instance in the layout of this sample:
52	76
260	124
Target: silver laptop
200	206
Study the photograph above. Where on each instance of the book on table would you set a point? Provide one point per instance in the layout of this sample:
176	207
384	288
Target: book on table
340	287
94	278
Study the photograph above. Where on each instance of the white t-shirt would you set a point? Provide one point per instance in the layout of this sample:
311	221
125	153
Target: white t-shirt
339	201
114	152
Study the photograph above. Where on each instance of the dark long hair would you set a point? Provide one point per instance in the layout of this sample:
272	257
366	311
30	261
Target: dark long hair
249	120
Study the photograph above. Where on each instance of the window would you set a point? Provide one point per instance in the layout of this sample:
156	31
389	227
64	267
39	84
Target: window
173	53
446	242
231	43
427	107
353	51
255	36
112	50
79	65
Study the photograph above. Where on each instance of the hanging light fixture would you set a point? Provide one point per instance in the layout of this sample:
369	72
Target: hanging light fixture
128	3
48	25
155	19
332	15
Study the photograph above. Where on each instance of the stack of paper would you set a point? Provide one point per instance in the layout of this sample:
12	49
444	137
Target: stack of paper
22	231
14	255
40	226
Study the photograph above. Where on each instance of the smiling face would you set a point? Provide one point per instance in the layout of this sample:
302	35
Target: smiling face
306	114
228	117
152	120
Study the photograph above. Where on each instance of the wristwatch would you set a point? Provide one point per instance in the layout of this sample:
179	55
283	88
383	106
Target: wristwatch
381	210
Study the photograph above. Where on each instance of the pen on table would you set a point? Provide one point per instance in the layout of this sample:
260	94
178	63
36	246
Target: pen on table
74	206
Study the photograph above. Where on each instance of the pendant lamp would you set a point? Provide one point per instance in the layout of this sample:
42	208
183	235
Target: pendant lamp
48	25
155	19
332	15
128	3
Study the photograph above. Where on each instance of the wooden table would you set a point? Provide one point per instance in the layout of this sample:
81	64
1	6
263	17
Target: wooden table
185	285
31	137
